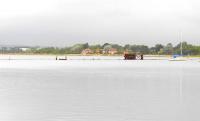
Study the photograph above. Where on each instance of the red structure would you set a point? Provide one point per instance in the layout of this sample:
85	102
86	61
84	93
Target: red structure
133	56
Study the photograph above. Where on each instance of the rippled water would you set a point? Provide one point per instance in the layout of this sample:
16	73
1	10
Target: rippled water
99	90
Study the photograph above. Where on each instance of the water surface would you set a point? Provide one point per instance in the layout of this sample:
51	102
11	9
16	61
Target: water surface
99	90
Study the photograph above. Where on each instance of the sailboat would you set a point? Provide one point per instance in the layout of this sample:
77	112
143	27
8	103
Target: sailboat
179	57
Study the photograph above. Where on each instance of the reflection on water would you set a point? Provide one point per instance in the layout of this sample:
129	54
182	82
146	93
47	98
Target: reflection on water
113	90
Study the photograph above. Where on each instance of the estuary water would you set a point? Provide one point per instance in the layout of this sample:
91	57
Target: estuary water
99	90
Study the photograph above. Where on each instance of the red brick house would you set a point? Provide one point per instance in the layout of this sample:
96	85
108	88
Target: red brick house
87	51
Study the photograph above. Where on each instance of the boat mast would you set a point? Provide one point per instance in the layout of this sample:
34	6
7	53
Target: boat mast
181	44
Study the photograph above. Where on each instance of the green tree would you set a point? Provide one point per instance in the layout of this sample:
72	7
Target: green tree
168	49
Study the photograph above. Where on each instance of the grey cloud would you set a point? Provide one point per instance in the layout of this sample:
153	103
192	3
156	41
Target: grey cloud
65	22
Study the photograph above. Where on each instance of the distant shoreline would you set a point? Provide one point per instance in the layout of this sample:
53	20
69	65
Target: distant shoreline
20	54
106	49
25	54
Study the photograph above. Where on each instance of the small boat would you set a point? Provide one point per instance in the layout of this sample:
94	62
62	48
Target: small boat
178	59
61	58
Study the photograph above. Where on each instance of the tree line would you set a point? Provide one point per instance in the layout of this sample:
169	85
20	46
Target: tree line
158	49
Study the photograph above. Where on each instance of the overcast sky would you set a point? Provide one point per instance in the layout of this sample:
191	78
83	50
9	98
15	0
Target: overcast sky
66	22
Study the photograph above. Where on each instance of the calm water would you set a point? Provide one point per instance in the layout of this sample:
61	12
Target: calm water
99	90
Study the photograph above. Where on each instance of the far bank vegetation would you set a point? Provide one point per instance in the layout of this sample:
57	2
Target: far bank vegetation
107	49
